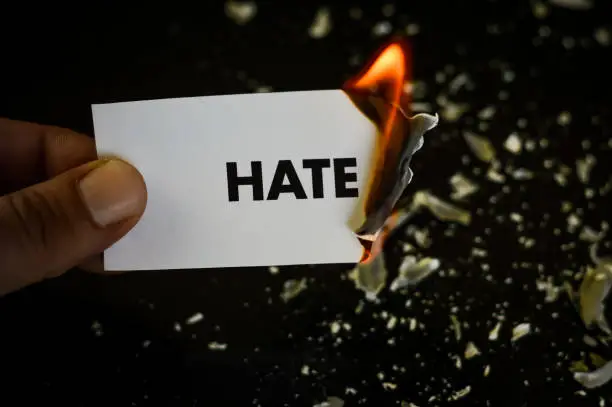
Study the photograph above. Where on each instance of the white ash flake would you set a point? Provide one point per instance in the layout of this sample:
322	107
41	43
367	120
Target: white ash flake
584	167
487	113
412	29
335	327
413	324
451	112
471	350
588	234
527	242
552	291
370	277
544	31
603	37
522	174
478	252
573	4
96	327
540	10
241	12
530	145
389	386
392	322
460	393
458	363
513	144
568	42
146	343
494	333
564	118
440	209
480	146
407	248
412	272
456	327
560	179
494	175
216	346
589	340
596	378
458	82
462	187
321	25
177	327
305	370
508	76
487	371
520	331
273	270
516	217
292	288
382	28
421	237
195	318
573	221
331	402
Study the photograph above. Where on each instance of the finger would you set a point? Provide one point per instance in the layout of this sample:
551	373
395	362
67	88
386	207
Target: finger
53	226
95	264
31	153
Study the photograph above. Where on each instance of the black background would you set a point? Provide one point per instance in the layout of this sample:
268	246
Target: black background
80	339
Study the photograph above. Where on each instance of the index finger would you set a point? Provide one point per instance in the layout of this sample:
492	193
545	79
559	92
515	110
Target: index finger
31	153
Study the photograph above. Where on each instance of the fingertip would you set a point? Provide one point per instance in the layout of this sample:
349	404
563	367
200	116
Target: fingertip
114	191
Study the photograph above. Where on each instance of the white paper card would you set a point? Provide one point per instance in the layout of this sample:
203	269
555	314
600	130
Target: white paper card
182	147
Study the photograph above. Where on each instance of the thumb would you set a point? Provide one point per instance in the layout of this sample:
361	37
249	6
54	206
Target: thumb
50	227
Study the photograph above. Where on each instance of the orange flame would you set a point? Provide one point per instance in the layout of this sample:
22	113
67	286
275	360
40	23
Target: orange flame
379	93
385	74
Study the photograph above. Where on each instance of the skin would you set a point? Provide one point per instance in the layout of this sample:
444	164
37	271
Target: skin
45	229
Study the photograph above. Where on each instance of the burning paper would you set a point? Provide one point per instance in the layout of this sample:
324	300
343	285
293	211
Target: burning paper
268	179
378	92
370	274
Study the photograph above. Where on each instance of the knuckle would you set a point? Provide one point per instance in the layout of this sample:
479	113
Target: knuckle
37	218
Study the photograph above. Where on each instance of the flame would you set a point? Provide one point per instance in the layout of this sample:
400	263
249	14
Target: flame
379	93
385	74
371	249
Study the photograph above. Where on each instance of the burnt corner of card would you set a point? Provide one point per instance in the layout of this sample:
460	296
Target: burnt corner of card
379	92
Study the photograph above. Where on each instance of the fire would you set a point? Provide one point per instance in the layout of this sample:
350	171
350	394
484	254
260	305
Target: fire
385	76
379	93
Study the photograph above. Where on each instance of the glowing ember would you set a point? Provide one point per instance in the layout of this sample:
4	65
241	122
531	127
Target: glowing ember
379	93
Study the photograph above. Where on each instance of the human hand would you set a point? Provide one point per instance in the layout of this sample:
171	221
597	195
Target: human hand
59	205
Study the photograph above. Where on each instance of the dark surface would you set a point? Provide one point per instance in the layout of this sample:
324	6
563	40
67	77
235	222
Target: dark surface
86	340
